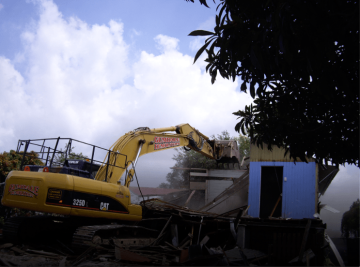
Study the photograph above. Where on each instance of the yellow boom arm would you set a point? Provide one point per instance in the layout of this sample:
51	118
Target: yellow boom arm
128	148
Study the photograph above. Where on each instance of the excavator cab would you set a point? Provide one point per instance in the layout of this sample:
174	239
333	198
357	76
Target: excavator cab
82	168
77	167
55	160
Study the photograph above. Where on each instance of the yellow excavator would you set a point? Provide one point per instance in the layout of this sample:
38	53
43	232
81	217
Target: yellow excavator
73	190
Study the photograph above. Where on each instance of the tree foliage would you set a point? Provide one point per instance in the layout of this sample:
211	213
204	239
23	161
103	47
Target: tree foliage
179	178
299	60
10	161
203	2
244	145
350	220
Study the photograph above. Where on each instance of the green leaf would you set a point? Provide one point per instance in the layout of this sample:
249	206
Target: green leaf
237	127
222	21
210	39
225	27
243	129
243	87
220	13
198	54
208	66
260	89
213	76
252	89
211	50
200	33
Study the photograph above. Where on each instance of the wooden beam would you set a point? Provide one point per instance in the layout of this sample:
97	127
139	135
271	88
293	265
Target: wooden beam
277	203
189	198
162	231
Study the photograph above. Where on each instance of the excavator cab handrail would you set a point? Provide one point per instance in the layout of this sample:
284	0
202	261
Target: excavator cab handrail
47	154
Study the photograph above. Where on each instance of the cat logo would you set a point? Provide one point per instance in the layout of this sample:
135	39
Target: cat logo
104	206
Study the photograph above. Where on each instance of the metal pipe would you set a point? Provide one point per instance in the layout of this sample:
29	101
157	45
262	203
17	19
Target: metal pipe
23	158
127	180
66	152
164	129
57	142
70	145
107	166
19	146
138	153
42	149
92	160
47	157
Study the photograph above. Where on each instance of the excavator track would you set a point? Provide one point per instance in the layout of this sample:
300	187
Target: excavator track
11	229
84	236
37	229
101	234
24	229
49	228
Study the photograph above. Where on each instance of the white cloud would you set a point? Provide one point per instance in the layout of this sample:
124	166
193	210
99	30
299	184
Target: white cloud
197	43
166	43
72	65
75	86
135	32
183	92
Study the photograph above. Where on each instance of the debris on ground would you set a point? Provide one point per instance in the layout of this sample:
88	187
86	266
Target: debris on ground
167	235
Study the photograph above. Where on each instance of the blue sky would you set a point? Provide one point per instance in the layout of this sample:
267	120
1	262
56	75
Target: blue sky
143	20
95	70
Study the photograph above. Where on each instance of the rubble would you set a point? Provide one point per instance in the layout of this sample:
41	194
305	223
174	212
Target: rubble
181	237
177	236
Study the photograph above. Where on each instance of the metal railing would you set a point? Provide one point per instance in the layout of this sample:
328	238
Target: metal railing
47	152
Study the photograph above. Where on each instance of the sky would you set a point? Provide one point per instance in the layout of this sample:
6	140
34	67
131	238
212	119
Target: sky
95	70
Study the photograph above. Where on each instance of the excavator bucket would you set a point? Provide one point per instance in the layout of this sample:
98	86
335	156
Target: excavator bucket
227	151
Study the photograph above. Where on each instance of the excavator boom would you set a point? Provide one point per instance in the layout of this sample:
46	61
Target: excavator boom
143	140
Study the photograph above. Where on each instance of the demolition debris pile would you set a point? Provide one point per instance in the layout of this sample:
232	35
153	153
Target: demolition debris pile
175	236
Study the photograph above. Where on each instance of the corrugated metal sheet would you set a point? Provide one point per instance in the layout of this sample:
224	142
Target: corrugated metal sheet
299	196
254	189
276	154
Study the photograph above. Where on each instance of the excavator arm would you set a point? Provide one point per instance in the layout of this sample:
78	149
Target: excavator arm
128	148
